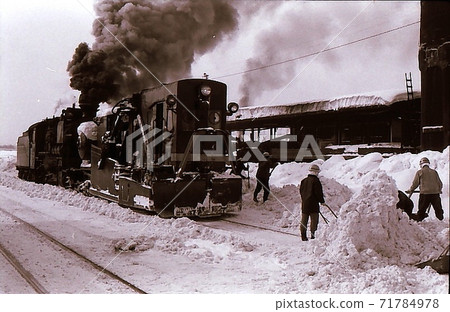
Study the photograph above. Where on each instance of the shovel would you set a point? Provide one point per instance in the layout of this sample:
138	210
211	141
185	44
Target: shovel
330	209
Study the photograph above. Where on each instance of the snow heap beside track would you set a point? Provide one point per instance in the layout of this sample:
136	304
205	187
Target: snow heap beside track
371	231
7	161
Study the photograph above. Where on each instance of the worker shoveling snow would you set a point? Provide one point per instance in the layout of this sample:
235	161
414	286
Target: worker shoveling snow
371	231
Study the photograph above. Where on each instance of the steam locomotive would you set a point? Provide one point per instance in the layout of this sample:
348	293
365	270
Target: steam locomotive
165	150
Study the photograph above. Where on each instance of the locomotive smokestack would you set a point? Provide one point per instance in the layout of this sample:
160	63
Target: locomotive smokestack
88	107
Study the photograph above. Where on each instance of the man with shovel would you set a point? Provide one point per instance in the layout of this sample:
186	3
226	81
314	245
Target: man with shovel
430	189
263	176
312	194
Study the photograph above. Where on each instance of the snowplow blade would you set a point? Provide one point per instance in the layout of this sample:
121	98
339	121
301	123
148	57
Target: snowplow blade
198	197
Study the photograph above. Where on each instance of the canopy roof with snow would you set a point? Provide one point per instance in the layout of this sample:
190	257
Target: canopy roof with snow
351	102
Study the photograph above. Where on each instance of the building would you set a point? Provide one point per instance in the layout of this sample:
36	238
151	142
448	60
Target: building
387	122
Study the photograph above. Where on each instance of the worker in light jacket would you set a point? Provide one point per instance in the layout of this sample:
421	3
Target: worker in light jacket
312	195
430	190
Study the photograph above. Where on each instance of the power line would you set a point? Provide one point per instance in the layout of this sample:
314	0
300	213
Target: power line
314	53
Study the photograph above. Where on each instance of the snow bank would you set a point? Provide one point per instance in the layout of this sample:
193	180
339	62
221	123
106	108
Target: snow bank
7	160
371	231
335	195
68	197
187	238
401	168
285	202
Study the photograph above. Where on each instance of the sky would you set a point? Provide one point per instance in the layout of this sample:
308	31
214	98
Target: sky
323	50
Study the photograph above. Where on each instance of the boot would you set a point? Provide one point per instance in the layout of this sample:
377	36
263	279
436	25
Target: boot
303	235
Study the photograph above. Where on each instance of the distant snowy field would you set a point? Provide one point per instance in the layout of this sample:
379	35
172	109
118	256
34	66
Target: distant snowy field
371	248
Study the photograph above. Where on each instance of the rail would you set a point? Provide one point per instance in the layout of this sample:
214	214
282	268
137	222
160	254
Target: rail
69	249
27	276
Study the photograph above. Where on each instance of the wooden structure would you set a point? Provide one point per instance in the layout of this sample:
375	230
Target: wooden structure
388	123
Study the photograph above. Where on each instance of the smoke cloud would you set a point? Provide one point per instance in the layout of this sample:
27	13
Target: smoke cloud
92	76
299	29
164	36
294	34
64	101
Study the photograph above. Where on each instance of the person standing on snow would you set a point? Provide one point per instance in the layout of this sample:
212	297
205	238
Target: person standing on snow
312	194
262	177
430	188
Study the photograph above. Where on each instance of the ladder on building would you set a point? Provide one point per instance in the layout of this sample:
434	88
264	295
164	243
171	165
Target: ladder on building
409	88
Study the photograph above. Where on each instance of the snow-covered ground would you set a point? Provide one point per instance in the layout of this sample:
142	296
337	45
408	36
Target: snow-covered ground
370	249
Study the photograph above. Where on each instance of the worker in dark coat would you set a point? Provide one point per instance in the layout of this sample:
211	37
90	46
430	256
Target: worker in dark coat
430	190
405	203
263	176
312	195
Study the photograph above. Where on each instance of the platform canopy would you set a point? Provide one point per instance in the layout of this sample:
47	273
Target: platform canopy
350	102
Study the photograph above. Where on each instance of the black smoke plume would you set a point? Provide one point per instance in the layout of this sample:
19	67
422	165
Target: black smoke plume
90	75
162	37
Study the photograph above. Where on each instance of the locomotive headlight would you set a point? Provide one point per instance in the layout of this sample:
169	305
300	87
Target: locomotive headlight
205	90
171	100
233	107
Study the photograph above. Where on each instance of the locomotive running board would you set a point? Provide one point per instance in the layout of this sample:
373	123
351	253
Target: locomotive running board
115	199
103	195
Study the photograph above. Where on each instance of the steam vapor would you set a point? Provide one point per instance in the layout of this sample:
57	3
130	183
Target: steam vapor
163	35
286	40
304	28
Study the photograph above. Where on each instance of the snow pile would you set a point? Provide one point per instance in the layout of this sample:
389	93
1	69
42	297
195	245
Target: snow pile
335	195
371	231
289	173
7	160
187	238
70	197
284	182
338	278
401	168
351	171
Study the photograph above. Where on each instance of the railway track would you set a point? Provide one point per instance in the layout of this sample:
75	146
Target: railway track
27	276
259	227
31	280
213	224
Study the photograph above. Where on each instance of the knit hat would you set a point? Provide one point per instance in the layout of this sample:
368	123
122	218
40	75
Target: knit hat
314	169
424	162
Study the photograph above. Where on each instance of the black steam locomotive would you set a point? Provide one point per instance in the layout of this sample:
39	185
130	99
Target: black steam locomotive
165	150
47	151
